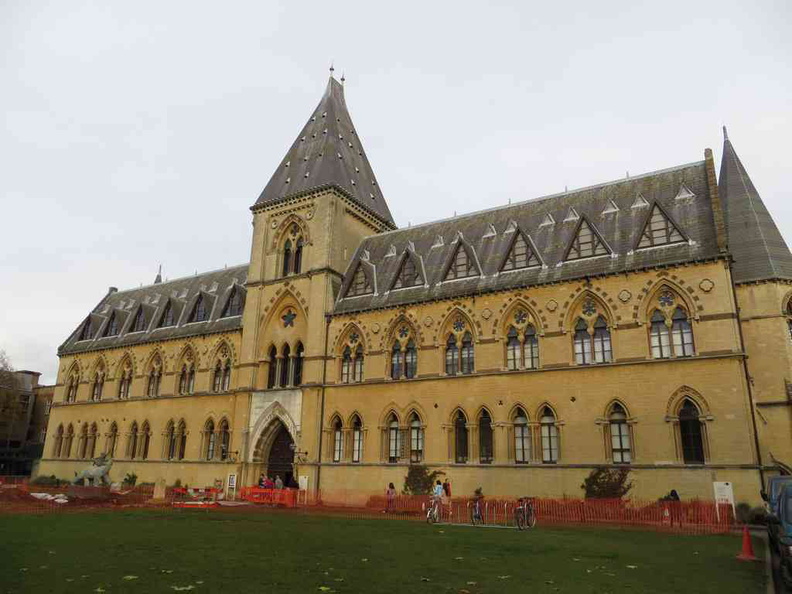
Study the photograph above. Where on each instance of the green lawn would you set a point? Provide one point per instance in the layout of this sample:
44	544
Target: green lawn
281	552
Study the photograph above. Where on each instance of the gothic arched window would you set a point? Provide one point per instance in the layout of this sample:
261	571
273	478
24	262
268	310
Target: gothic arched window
550	440
145	437
357	367
451	356
416	439
299	355
225	440
690	434
346	365
357	439
170	441
112	439
485	438
209	440
287	258
132	441
396	361
272	371
217	380
410	360
394	440
182	440
298	252
660	336
285	361
522	437
460	438
512	349
681	334
58	445
531	348
466	357
338	440
621	450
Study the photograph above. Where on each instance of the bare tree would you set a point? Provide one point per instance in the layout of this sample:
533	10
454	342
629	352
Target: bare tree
11	408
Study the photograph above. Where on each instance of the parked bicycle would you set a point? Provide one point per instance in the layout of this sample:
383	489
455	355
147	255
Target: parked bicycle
525	513
433	510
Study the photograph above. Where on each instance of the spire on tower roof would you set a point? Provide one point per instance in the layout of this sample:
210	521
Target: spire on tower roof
759	250
158	278
328	153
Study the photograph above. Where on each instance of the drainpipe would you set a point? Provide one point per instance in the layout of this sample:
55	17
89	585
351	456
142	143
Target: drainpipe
747	378
322	407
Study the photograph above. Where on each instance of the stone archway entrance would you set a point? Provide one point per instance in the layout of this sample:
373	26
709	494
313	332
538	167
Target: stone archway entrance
274	453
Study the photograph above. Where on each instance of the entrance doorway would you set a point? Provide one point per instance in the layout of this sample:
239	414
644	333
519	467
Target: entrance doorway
281	457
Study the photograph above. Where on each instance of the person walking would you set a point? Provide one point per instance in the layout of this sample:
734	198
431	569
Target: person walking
390	496
278	482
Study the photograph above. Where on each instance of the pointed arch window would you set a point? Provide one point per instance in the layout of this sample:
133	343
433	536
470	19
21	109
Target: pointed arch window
124	382
285	363
466	354
460	438
530	348
93	435
58	444
183	380
690	434
112	439
408	275
360	284
660	336
583	345
182	440
594	347
396	361
416	440
681	334
154	379
226	382
357	439
513	348
71	393
132	441
346	365
98	386
659	230
200	312
287	258
586	243
621	450
394	440
233	306
485	438
210	440
357	366
299	356
522	438
298	254
272	371
225	440
187	379
410	360
520	255
67	442
338	440
451	356
167	318
550	441
112	326
404	363
145	437
82	442
170	440
139	323
462	265
217	380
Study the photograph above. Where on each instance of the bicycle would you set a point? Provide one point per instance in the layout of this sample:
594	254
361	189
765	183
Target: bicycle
433	511
524	513
476	517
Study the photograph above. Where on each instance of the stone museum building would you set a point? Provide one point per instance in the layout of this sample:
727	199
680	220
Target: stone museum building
644	321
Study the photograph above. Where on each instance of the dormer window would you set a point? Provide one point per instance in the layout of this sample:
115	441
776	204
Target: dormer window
462	265
167	316
234	305
520	255
200	312
112	326
87	330
408	275
586	243
139	324
360	284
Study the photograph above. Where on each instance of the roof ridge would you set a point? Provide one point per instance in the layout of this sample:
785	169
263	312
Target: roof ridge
181	278
542	198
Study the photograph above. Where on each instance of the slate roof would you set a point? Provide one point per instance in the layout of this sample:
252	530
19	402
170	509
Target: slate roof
215	287
759	250
328	153
617	211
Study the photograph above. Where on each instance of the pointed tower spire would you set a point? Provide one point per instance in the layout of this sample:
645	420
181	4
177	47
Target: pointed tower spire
158	278
759	250
328	153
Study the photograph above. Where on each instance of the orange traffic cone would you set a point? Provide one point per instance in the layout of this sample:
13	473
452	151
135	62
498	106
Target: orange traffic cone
747	553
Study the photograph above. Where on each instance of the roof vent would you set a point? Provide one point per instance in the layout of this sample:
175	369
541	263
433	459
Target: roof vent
302	138
411	246
324	114
183	294
288	179
307	173
156	299
572	215
353	181
611	208
640	202
339	155
366	255
438	242
213	288
511	227
324	131
371	196
548	221
391	251
490	232
288	163
684	193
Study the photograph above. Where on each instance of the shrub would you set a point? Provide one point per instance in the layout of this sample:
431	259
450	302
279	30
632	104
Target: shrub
177	483
46	481
607	483
743	513
419	480
130	479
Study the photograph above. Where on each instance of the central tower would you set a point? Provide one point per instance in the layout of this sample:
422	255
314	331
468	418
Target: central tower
320	202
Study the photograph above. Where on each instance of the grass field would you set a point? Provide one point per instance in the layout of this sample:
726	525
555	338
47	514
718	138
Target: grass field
195	551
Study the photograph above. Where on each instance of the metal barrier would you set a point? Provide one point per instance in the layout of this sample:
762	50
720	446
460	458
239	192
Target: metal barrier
277	497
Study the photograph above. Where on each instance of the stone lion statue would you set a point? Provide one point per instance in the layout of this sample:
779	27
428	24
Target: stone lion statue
96	473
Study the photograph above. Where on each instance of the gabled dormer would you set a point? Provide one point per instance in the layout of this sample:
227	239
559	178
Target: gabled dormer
586	243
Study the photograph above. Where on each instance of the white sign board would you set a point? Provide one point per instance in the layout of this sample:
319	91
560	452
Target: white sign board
303	482
724	495
231	487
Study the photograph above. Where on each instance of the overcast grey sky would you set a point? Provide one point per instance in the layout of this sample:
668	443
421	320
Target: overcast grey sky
141	132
